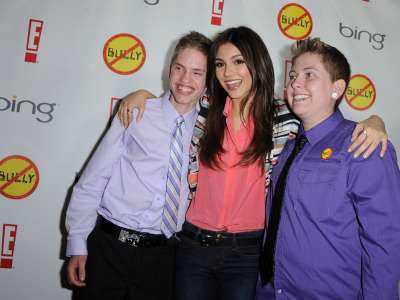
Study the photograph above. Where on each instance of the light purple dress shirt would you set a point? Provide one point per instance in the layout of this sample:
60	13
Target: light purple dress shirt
339	233
125	180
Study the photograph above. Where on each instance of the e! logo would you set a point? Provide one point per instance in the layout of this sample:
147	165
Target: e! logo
35	29
8	237
217	8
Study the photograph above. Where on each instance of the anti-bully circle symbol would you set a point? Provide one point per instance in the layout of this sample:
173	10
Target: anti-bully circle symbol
19	177
360	93
124	53
295	21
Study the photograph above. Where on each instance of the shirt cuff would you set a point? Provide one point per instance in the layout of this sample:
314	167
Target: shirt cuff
76	247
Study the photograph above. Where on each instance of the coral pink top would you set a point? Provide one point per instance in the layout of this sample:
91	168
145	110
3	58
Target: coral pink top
230	198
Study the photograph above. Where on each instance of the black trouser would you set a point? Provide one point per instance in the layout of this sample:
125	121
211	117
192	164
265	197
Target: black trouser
210	268
116	270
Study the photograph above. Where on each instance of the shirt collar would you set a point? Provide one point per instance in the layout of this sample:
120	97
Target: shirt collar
318	132
228	107
228	110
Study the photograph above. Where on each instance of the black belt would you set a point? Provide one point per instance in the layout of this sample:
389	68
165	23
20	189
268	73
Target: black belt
208	238
132	237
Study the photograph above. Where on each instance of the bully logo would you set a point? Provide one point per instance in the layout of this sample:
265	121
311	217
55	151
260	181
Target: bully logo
360	93
295	21
124	53
43	111
216	13
8	238
374	39
35	29
19	177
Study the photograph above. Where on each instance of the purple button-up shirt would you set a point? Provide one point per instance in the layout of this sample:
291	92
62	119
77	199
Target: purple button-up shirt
125	180
339	234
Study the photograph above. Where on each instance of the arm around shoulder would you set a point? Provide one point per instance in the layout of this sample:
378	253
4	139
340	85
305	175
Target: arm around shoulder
134	100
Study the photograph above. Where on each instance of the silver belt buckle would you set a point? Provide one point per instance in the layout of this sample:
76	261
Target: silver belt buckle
131	238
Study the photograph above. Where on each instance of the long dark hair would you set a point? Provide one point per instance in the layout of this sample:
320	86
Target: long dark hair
261	109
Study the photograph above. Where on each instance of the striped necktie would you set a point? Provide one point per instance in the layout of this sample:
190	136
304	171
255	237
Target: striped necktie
170	213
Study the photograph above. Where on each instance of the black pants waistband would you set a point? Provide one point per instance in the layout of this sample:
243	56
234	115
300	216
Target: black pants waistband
131	237
221	238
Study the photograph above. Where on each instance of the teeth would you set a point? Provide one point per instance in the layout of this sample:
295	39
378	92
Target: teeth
233	83
300	97
184	89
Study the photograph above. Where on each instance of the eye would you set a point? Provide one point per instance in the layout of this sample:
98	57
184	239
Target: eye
309	75
177	67
219	64
239	61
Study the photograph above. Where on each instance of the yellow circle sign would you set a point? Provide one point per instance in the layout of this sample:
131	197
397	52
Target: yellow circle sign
361	92
326	153
19	177
124	53
295	21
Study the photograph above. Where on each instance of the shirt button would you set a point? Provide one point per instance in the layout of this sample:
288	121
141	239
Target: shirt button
279	291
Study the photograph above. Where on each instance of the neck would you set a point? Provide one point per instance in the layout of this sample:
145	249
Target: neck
182	108
309	124
236	107
236	113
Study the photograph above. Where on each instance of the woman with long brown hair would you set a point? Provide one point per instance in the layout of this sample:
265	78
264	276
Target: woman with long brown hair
219	252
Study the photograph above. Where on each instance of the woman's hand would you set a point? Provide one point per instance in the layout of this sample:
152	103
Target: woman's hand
134	100
367	135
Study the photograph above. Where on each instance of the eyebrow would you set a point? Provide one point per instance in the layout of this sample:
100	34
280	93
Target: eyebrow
194	69
235	56
310	68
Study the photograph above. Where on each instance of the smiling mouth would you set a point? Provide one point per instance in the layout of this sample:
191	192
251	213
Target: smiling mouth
233	84
184	89
300	98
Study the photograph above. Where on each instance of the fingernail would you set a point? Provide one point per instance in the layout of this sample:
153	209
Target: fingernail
355	155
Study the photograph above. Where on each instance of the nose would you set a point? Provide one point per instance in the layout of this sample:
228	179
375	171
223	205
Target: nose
227	70
185	77
295	82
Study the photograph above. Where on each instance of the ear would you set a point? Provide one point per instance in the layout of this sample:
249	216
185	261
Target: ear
339	87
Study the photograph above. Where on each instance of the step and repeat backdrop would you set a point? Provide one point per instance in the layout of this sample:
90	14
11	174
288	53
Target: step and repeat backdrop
65	64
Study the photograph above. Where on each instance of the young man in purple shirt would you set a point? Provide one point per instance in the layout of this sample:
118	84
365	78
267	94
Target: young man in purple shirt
337	228
119	243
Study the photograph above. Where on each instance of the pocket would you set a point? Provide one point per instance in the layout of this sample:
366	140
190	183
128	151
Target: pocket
317	181
317	171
